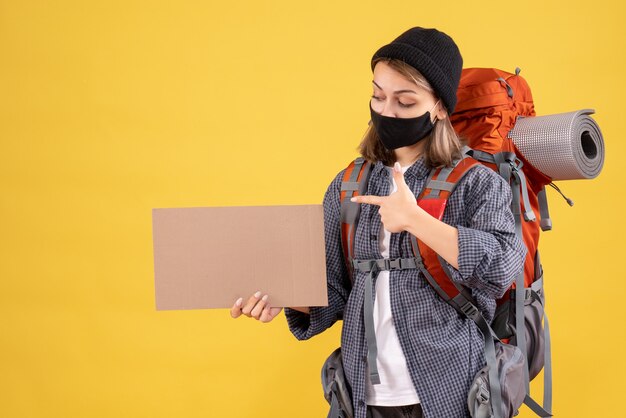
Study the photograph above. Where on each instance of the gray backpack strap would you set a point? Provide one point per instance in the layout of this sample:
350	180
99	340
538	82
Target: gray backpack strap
468	309
520	322
547	367
511	166
547	378
368	317
502	159
520	290
519	182
494	379
373	267
481	156
335	410
546	222
350	211
519	187
520	178
441	184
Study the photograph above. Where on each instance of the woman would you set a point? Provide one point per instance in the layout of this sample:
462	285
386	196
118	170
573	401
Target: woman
428	354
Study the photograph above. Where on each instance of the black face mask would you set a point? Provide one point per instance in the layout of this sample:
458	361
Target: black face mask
401	132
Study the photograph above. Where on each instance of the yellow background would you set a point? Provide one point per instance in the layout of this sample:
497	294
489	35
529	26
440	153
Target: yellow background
109	109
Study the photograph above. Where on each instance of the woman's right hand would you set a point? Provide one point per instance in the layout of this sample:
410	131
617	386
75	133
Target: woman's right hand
256	307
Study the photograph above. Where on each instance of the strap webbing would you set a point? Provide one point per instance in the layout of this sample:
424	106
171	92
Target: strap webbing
520	323
370	334
439	185
529	215
494	382
546	222
535	407
335	409
516	207
349	186
520	291
547	366
547	354
482	156
468	309
374	267
349	211
504	168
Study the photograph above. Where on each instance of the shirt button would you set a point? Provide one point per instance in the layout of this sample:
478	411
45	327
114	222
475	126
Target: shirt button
364	359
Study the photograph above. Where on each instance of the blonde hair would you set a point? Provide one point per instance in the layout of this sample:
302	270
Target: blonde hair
442	145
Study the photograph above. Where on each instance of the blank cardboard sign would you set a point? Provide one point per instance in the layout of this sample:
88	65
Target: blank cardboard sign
208	257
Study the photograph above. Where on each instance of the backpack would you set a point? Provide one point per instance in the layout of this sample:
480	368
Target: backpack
489	103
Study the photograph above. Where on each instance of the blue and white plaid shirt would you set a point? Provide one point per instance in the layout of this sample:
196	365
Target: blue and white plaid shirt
444	351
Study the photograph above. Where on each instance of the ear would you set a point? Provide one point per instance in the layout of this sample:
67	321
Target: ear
441	112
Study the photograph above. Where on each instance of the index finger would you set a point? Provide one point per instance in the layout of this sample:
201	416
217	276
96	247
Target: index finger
370	200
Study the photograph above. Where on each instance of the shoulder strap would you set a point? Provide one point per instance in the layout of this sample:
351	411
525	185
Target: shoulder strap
433	200
355	180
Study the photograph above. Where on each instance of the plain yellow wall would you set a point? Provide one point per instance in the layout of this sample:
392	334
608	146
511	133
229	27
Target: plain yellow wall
109	109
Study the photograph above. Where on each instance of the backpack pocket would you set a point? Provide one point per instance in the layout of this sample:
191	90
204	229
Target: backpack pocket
504	323
336	389
535	338
505	328
510	362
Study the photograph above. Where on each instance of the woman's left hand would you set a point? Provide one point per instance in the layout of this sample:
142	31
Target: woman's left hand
399	209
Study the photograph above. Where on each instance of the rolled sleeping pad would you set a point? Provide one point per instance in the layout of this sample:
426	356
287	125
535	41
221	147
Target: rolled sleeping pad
565	146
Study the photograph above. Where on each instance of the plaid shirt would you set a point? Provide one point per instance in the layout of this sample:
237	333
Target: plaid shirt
444	351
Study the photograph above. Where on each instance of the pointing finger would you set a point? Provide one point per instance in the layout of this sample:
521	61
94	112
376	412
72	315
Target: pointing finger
371	200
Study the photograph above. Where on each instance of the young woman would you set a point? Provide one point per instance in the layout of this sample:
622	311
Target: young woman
428	354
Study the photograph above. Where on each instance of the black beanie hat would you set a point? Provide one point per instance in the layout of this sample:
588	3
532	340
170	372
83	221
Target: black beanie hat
432	53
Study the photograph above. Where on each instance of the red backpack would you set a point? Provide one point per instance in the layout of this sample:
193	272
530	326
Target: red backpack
489	103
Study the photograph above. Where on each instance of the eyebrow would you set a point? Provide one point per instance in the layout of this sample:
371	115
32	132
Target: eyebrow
397	91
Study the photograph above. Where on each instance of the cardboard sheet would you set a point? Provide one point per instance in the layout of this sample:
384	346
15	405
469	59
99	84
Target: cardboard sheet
208	257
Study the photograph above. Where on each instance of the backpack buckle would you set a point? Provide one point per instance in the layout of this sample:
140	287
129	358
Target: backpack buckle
469	309
482	395
391	264
387	264
419	263
364	265
516	164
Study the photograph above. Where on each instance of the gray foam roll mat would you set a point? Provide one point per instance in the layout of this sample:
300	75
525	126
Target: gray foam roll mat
565	146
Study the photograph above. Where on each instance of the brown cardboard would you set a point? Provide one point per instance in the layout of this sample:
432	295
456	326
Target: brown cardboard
208	257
